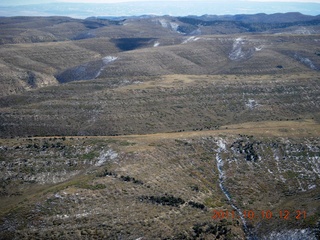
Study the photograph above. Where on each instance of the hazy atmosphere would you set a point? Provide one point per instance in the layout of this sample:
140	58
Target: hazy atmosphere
84	8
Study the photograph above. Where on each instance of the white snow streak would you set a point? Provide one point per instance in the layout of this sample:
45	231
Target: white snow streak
105	156
106	60
109	59
191	39
305	61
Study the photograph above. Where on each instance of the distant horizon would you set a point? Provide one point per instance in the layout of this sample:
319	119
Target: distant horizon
29	2
114	8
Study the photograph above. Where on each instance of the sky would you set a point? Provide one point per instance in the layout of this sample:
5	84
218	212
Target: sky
114	1
154	7
27	2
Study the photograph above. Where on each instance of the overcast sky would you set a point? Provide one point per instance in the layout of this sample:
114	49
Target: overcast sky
113	1
26	2
155	7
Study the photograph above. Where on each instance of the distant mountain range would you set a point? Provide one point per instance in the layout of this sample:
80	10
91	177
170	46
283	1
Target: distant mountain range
261	17
84	10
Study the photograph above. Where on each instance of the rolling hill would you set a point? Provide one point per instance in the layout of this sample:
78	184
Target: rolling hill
152	46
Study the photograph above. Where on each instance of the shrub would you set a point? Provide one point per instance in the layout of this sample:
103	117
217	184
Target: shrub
196	205
164	200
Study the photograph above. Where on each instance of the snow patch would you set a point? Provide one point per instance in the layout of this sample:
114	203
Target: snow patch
105	156
305	61
191	39
237	53
106	60
221	145
296	234
312	187
65	216
170	25
304	31
57	195
137	82
257	49
174	26
196	32
49	177
301	187
80	215
163	23
252	104
315	163
109	59
277	160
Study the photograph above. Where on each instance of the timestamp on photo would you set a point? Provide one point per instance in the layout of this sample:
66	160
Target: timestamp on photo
263	214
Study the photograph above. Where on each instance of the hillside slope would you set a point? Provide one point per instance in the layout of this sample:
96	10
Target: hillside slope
37	52
164	186
139	105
